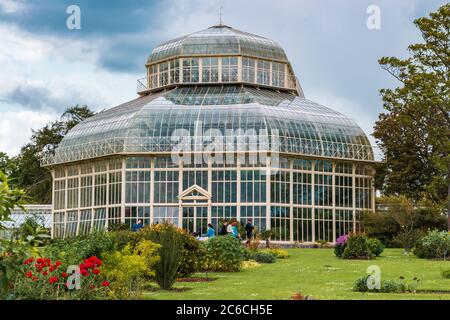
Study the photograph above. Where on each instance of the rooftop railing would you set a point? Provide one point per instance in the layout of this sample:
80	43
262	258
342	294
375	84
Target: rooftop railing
142	85
122	145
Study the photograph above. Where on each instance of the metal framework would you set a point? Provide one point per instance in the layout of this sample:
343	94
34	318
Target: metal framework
302	200
42	213
150	124
217	92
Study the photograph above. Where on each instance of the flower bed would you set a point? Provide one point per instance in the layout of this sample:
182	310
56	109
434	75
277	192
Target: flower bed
43	278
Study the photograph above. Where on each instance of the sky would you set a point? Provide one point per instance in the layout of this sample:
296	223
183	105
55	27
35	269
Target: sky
46	67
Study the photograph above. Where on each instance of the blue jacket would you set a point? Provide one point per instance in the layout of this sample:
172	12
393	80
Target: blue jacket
235	231
136	227
210	233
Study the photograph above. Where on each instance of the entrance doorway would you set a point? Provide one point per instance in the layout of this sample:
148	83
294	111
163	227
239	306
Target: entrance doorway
195	219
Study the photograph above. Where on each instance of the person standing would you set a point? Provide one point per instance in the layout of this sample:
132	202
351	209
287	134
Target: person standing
137	226
230	229
210	233
234	230
249	231
223	230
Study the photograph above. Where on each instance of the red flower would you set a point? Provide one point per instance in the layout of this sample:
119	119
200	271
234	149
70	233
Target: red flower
40	260
57	263
29	274
93	262
45	273
91	287
28	261
52	268
64	275
96	271
105	284
35	278
52	280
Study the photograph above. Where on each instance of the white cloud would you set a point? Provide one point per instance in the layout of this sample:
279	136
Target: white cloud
43	75
328	44
12	6
16	126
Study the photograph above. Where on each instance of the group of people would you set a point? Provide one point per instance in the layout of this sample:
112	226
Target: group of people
231	229
227	228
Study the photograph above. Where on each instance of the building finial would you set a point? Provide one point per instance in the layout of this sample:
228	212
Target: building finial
220	16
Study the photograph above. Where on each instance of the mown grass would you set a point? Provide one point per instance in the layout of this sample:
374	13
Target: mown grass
317	273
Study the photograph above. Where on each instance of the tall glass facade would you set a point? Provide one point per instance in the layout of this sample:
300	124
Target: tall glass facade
221	131
302	200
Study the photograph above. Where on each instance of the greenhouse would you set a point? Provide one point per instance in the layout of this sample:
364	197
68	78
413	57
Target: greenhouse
221	130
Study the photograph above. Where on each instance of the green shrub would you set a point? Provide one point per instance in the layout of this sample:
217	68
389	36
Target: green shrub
445	274
390	286
386	226
407	239
387	286
375	246
170	255
435	245
361	284
34	231
357	248
128	269
264	257
76	249
278	253
12	255
339	250
341	244
223	254
121	238
191	256
191	252
119	227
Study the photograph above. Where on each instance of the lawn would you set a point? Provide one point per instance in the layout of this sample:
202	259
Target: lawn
317	273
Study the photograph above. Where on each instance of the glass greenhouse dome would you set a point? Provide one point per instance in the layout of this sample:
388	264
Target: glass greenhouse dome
221	130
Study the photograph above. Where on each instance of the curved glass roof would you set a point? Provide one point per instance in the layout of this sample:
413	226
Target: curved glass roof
147	124
219	40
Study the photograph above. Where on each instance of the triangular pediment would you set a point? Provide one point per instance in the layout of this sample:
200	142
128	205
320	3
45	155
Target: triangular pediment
194	192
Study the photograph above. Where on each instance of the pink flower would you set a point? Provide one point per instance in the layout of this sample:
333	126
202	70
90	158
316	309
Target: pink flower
342	239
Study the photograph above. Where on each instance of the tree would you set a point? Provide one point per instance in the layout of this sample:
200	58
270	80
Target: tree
11	253
402	220
414	132
4	162
9	198
402	211
27	172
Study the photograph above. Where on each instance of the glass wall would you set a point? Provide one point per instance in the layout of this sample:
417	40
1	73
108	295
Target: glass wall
87	197
221	69
300	200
